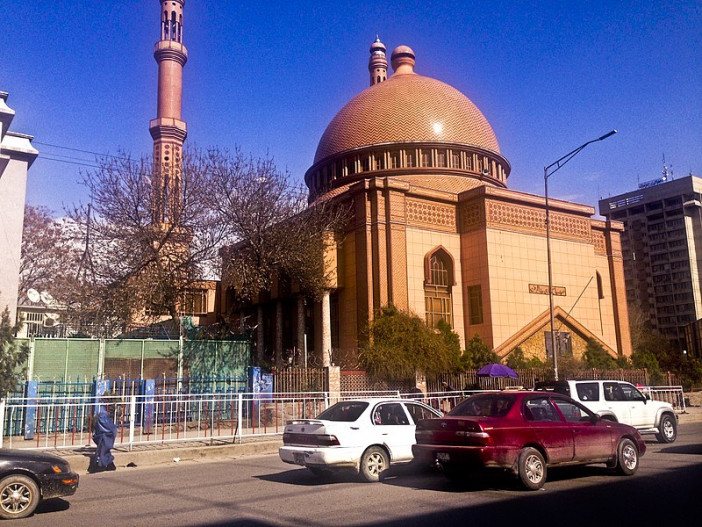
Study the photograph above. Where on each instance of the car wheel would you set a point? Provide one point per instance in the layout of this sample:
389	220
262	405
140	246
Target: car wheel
19	496
532	468
373	462
668	429
627	457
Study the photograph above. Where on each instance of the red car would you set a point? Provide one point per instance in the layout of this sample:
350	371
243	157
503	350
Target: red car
524	432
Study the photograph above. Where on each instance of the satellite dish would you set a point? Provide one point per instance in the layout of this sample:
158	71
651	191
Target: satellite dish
33	295
50	320
46	298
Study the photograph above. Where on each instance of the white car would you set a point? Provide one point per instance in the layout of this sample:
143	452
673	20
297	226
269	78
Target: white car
364	435
620	401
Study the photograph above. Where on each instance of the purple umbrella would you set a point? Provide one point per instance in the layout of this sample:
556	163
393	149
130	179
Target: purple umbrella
496	370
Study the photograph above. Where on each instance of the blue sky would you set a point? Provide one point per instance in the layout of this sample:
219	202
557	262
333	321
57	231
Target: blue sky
269	76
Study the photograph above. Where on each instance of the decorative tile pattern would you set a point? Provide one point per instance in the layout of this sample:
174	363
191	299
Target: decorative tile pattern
534	220
431	214
598	239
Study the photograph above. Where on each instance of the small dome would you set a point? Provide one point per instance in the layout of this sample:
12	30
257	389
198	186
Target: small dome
378	46
407	109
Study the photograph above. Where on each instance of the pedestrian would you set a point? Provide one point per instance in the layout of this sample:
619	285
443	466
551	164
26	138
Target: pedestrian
447	403
104	434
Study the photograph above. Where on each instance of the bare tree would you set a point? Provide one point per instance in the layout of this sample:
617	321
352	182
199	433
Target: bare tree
50	254
133	265
272	231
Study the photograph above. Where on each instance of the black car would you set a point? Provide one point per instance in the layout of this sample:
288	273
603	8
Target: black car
28	477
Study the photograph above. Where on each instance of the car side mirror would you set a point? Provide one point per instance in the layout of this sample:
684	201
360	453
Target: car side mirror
647	397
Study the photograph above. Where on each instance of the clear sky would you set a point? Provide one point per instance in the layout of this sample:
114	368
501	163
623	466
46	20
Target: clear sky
269	76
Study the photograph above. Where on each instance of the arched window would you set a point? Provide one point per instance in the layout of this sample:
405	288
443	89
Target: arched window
438	281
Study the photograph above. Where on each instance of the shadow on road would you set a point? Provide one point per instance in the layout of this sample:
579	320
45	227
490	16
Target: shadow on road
52	505
664	497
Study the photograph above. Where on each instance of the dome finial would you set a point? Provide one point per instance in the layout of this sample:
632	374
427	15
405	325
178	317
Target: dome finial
403	60
378	62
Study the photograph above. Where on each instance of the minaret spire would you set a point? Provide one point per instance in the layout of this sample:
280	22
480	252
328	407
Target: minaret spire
378	62
168	130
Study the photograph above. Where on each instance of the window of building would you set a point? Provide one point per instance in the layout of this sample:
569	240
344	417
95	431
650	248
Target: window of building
475	305
409	159
394	159
600	288
441	158
194	302
426	158
437	288
455	160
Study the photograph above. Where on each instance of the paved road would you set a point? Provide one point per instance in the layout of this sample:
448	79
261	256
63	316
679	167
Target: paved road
261	490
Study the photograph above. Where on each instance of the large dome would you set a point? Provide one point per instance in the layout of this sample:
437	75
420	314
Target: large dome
407	108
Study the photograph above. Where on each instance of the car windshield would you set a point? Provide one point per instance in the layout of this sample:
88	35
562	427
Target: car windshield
346	411
493	405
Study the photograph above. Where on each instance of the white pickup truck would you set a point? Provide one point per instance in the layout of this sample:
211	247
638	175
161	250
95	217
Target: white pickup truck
621	401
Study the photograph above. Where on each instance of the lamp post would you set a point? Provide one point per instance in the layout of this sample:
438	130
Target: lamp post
548	172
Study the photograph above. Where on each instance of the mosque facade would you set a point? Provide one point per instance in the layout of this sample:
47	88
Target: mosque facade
436	231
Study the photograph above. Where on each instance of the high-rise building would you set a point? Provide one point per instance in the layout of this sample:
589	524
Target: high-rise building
662	250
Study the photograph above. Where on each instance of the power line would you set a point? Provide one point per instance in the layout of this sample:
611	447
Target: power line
76	150
84	164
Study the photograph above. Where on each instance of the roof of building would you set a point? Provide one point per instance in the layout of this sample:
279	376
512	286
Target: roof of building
407	108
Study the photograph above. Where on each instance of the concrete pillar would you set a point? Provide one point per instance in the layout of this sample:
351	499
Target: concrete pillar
326	330
333	383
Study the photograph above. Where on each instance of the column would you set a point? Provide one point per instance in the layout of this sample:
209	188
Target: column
326	330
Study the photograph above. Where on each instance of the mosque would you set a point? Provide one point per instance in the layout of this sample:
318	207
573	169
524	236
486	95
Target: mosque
435	231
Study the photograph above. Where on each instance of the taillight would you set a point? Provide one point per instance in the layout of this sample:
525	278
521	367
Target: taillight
310	439
327	440
475	438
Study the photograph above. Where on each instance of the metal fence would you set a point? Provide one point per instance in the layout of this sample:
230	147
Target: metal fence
65	422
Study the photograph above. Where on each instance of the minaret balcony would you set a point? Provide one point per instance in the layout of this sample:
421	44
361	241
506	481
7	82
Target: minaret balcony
170	50
168	128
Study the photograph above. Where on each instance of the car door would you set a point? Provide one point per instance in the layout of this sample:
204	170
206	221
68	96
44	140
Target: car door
394	429
592	437
549	429
616	401
639	411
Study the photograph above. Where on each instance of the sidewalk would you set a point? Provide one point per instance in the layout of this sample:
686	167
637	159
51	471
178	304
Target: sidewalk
162	453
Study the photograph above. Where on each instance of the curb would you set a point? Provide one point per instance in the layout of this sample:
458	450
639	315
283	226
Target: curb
160	455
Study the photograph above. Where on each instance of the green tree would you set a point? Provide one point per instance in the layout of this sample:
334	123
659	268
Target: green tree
400	344
477	354
516	360
595	356
12	355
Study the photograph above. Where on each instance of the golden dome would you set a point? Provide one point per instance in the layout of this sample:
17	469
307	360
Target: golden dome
407	108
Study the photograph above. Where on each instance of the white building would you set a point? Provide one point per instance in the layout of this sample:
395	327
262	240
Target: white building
16	156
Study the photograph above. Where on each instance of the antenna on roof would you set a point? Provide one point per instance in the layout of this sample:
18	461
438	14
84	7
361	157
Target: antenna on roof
667	170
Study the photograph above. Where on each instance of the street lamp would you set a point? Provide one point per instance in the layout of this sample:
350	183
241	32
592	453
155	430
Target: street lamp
548	172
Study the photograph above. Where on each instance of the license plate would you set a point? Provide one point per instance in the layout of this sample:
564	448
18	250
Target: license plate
443	457
299	458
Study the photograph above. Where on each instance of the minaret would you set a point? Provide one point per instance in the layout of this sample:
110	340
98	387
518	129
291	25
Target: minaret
378	62
168	130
